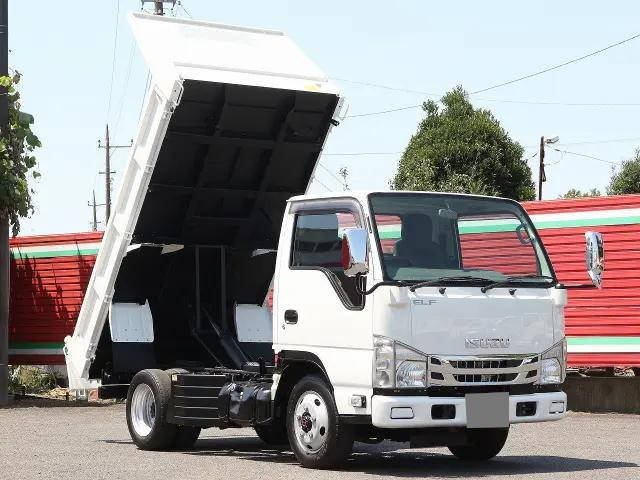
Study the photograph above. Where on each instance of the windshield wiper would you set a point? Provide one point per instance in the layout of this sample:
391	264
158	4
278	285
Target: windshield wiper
436	281
513	279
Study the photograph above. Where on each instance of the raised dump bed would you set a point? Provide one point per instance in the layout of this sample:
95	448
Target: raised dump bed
232	126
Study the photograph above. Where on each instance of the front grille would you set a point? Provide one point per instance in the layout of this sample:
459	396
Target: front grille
453	371
486	363
475	378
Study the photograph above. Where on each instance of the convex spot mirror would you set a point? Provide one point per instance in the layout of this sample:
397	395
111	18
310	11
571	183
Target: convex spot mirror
594	256
354	252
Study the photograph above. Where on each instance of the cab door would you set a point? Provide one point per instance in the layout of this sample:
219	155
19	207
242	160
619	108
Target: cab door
318	311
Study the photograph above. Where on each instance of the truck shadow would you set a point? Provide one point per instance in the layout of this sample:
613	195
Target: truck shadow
384	459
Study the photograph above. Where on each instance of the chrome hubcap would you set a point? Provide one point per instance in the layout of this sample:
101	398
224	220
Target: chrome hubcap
143	409
311	422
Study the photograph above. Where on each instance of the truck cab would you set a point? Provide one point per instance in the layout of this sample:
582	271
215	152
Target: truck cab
429	318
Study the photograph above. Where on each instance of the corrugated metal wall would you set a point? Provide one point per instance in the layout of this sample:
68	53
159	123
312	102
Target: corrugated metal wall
49	275
603	326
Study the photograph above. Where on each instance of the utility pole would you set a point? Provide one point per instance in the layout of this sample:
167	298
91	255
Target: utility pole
107	171
158	5
542	176
344	173
4	219
94	223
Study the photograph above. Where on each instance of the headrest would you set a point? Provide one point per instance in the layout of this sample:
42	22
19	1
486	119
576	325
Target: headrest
416	228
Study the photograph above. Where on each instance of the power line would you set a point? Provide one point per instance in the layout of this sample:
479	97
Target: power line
113	60
382	112
355	154
315	179
560	65
144	94
595	142
332	174
126	85
386	87
498	100
586	156
561	104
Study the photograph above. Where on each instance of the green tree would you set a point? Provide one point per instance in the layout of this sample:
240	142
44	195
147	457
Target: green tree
575	193
17	143
627	179
17	161
458	148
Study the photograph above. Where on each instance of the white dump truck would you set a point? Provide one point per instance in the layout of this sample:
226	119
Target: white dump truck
428	318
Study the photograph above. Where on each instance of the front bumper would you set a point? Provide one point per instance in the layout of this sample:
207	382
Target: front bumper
385	410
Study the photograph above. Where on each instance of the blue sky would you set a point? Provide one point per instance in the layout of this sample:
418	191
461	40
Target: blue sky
65	54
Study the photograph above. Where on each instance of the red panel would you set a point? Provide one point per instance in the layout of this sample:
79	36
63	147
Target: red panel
583	204
501	251
614	310
36	359
47	293
604	360
58	239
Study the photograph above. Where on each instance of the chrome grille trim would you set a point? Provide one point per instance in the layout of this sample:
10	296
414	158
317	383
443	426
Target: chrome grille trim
476	370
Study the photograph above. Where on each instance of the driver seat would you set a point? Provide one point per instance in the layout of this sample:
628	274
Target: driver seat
416	243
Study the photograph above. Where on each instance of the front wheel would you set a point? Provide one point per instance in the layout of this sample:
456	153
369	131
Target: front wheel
483	444
316	435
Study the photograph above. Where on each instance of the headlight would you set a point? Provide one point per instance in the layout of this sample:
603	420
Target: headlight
397	366
553	363
384	360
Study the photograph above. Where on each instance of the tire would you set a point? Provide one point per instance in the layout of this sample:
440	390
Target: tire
316	435
484	444
186	436
275	434
147	404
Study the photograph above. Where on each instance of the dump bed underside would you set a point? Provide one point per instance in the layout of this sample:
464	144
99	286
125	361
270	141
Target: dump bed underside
232	156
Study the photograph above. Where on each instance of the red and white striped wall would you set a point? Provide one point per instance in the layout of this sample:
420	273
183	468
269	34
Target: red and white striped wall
49	276
603	326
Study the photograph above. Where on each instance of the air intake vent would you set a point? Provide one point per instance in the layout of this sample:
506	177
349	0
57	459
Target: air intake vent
514	363
485	378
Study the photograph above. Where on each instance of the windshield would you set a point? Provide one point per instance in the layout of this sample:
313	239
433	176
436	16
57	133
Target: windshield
425	236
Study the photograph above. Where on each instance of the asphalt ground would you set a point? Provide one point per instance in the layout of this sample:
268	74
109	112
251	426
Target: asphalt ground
93	443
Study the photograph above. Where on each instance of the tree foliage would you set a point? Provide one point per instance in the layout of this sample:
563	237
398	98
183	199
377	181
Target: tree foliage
17	161
627	179
458	148
575	193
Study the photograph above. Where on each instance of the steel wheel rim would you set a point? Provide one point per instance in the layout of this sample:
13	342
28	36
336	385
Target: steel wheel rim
143	410
311	422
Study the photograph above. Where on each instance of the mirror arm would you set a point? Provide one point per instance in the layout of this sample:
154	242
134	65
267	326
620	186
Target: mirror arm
389	283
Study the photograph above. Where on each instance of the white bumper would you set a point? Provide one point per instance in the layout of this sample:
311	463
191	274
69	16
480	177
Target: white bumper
385	410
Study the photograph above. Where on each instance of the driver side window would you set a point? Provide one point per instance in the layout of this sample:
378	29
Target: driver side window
317	244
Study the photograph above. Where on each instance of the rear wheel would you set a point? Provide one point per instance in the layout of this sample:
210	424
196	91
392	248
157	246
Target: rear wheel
147	404
185	437
483	444
316	435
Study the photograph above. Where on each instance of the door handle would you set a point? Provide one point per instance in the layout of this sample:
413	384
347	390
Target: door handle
291	316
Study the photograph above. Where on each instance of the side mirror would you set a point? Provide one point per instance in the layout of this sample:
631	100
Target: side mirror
354	252
594	256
